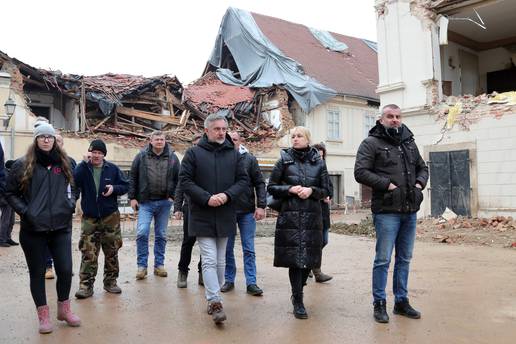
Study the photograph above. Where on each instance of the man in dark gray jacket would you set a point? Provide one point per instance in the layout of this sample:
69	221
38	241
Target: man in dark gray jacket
152	185
212	176
389	162
250	208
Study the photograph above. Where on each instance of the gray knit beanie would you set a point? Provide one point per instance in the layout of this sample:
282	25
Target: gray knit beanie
44	129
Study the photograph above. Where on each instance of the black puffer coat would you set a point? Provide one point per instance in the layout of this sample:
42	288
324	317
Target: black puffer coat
298	237
49	202
381	160
208	169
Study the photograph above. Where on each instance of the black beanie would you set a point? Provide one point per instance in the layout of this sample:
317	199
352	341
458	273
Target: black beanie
98	145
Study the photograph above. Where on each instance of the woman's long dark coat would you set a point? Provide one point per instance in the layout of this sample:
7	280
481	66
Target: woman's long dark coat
298	236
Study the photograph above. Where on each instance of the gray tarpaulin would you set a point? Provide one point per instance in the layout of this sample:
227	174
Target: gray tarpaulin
328	41
261	64
371	44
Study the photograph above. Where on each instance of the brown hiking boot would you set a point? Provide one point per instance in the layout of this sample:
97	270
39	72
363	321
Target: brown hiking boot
141	273
49	273
321	277
217	312
84	292
160	271
112	288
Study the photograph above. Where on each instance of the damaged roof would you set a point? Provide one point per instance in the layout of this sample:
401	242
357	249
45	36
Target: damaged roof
108	90
354	72
209	94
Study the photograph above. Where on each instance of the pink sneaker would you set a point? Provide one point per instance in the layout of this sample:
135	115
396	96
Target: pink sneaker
65	313
45	326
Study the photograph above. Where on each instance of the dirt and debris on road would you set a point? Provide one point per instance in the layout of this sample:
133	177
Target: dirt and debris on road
497	231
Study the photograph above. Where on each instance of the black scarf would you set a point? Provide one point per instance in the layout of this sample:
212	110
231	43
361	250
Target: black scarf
48	158
395	133
301	153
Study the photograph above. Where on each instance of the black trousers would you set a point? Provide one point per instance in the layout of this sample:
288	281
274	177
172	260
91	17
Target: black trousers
34	245
6	222
298	279
187	246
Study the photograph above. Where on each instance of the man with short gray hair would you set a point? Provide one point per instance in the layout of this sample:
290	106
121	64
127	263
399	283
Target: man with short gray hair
212	176
153	181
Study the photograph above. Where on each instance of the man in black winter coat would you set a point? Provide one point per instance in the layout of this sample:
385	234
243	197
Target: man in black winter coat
389	162
212	176
7	216
250	208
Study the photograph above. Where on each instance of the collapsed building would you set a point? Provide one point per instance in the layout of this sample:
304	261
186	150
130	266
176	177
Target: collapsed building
451	66
265	74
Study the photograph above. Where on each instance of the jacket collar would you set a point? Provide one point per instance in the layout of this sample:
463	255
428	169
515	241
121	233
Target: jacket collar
204	143
287	155
166	150
379	131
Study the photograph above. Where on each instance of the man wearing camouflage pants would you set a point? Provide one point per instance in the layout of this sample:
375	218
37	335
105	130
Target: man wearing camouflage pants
100	182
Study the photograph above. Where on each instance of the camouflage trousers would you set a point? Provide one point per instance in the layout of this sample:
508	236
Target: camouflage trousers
96	233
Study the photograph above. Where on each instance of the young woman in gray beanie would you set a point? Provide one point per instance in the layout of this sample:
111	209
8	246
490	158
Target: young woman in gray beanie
40	188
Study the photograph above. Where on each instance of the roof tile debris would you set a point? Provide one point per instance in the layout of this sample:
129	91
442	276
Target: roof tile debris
213	95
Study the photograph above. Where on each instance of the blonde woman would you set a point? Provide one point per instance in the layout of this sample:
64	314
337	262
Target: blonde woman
300	180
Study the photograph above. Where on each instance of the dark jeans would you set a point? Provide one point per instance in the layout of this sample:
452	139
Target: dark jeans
6	223
34	245
298	279
186	247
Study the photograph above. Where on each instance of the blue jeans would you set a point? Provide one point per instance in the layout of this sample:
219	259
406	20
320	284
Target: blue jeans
160	211
325	232
247	226
393	231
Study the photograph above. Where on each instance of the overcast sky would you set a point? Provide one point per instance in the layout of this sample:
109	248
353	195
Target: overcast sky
151	37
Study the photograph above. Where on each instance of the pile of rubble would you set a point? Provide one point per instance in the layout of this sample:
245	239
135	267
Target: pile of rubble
467	109
496	223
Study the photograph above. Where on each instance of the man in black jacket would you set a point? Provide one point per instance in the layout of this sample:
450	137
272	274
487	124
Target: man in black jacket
152	186
7	213
100	182
181	211
389	162
7	217
212	176
250	208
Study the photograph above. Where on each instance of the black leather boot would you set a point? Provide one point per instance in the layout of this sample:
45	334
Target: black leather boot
380	312
404	308
299	307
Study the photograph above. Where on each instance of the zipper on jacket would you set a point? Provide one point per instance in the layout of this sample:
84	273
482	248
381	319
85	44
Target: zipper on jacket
100	180
49	171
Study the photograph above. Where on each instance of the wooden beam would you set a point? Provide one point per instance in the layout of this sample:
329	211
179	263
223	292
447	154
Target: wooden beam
34	82
184	117
125	120
101	122
121	132
147	115
82	107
